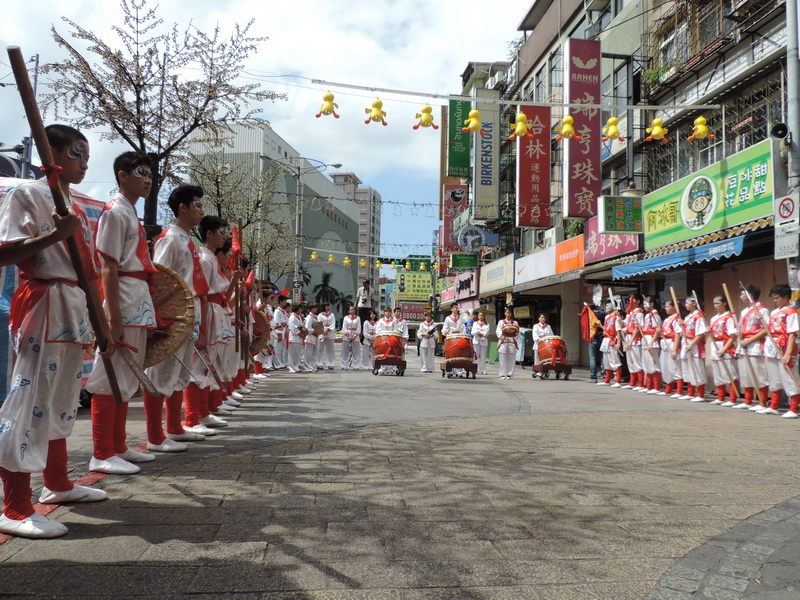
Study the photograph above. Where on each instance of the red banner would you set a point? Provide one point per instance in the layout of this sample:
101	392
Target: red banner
413	311
454	202
582	156
533	169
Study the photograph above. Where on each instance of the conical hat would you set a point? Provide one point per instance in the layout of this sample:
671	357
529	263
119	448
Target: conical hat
260	323
173	302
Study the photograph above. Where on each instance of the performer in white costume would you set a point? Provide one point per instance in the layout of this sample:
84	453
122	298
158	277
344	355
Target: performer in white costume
312	346
480	338
507	345
540	329
368	345
325	352
427	343
351	344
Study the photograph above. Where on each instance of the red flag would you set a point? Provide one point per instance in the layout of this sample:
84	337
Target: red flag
236	248
251	278
589	323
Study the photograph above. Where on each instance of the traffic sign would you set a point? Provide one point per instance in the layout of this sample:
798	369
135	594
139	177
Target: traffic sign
787	224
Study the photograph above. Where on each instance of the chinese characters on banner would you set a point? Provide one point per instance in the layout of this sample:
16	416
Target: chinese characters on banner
602	246
620	214
582	157
454	202
533	169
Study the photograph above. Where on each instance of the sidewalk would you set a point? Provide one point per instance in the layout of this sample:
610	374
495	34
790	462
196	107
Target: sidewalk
348	486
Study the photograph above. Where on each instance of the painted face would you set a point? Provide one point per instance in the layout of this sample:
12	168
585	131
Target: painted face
194	212
73	160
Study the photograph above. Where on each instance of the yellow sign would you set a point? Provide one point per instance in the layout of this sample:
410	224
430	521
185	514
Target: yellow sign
414	287
522	312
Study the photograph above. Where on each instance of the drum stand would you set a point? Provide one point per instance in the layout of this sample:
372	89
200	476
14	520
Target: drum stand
448	366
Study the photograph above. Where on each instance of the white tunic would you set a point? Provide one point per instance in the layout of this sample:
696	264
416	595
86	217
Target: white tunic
454	325
480	333
426	328
351	328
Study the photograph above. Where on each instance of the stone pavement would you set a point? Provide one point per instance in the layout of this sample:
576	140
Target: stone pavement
344	485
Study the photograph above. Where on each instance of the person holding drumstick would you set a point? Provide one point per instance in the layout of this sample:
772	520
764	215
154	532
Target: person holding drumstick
540	330
480	336
507	334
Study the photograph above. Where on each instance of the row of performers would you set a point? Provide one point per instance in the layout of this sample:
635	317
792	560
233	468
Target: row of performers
756	351
50	328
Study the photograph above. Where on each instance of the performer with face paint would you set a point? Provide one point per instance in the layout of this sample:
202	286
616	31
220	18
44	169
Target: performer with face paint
49	326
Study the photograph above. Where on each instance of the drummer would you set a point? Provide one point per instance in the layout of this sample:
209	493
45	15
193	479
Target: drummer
540	330
368	330
384	326
427	343
507	344
480	336
455	323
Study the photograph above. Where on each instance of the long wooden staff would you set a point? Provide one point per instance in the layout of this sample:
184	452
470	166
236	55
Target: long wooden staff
721	358
769	333
747	360
93	303
683	334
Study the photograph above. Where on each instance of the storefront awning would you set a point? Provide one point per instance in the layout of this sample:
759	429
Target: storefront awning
715	250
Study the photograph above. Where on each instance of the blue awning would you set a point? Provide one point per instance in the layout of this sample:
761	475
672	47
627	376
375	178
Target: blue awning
712	251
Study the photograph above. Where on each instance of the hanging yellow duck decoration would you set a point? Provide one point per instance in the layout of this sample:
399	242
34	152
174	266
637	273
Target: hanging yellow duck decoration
473	123
657	131
700	130
425	118
314	256
567	129
362	263
423	266
408	265
331	259
393	265
376	113
521	127
612	131
346	262
378	264
435	266
328	106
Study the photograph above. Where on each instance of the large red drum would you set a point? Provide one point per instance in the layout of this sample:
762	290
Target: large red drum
458	347
389	344
552	350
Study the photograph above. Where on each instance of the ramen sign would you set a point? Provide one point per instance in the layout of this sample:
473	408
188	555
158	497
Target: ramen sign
731	192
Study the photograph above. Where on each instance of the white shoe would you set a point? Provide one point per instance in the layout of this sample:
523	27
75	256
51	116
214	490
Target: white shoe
168	445
236	396
728	403
627	387
654	391
135	456
222	412
697	399
769	411
79	493
742	405
231	401
113	465
246	390
641	390
259	376
229	407
35	526
717	401
250	381
482	372
676	395
616	385
685	397
661	393
200	430
186	436
212	421
601	383
757	408
790	415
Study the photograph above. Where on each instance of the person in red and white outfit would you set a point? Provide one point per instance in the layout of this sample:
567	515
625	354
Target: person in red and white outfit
262	362
693	352
427	343
782	355
49	326
368	331
326	355
480	337
351	340
540	329
750	349
311	348
722	329
670	347
507	346
385	325
455	322
612	326
633	345
125	267
651	349
401	325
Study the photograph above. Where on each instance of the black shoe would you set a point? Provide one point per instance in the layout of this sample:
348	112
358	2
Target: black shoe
594	380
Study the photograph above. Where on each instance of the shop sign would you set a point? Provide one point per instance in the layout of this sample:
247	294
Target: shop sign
569	254
602	246
497	274
463	261
734	191
620	214
447	294
454	202
414	287
486	158
533	169
466	286
413	311
522	312
582	156
458	141
535	266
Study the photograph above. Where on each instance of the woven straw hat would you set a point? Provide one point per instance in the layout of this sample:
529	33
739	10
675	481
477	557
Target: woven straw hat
173	302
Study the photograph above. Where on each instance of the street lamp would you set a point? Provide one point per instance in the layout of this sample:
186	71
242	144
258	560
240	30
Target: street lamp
297	172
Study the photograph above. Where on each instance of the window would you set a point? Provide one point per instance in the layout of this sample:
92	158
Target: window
540	85
556	73
619	6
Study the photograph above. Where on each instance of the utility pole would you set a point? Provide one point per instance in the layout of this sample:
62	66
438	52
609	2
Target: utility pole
28	142
793	118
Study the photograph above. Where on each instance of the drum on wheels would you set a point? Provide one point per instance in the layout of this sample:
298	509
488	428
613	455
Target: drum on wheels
389	350
459	354
552	357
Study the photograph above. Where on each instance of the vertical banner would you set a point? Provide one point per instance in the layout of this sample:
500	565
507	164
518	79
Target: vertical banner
454	202
457	140
533	169
582	167
486	159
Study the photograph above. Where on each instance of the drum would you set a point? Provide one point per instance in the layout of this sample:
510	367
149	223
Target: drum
552	350
510	330
389	344
458	348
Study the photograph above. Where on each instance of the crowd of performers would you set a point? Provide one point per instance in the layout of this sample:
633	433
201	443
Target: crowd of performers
192	389
752	356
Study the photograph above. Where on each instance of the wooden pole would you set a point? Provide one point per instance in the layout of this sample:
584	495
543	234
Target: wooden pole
93	304
683	335
747	360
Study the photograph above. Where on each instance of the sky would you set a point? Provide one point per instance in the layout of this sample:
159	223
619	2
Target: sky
399	44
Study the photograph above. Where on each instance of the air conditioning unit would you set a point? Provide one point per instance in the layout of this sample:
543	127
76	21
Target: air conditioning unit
496	81
553	236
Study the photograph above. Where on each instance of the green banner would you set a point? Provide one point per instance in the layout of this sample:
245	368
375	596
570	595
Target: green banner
733	191
463	261
458	141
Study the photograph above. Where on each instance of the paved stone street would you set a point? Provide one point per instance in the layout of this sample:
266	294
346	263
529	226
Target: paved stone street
345	485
